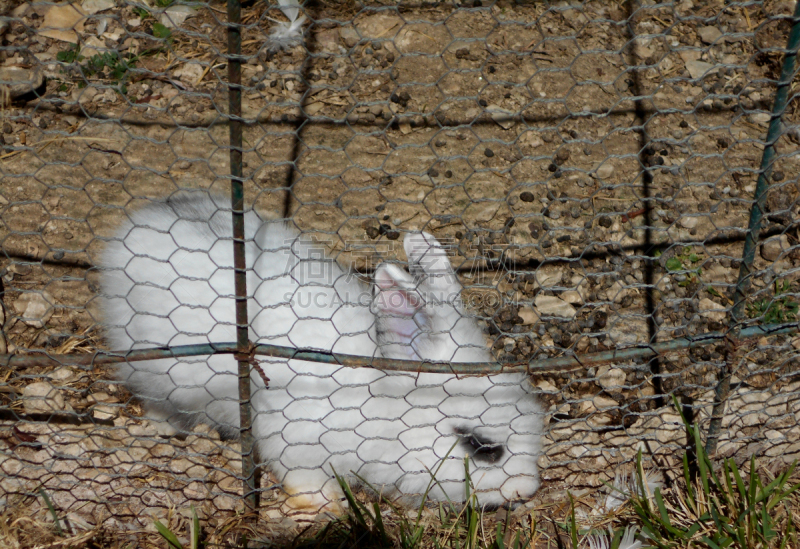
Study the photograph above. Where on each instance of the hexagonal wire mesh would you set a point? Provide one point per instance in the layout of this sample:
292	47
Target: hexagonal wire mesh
588	169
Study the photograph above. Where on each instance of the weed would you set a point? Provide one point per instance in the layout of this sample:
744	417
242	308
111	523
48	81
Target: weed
685	263
70	55
52	510
718	509
162	31
778	309
109	65
172	539
459	527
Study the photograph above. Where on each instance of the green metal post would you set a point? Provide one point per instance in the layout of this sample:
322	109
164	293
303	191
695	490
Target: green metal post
751	239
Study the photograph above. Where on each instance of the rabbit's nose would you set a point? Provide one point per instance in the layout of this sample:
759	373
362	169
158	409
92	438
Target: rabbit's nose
478	447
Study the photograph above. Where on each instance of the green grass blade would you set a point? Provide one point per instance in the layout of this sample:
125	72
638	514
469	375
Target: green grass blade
701	461
379	524
355	505
499	542
662	509
573	524
788	533
640	476
167	534
52	510
615	541
194	529
433	482
739	483
689	486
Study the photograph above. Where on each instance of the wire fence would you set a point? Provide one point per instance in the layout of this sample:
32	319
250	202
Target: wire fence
609	200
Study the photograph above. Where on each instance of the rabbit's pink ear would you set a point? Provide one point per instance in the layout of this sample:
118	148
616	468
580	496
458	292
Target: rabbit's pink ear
396	292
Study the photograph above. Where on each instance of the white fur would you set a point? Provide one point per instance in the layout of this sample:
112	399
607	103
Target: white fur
168	280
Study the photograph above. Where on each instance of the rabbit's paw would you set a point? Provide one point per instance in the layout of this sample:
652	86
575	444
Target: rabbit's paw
310	492
312	506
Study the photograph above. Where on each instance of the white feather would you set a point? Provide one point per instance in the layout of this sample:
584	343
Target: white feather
286	35
290	9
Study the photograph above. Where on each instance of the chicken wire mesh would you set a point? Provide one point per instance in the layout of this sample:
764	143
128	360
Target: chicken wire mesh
588	167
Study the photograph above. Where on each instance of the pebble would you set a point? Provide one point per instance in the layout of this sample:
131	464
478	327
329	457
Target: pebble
41	397
610	378
488	152
527	196
20	81
774	247
528	315
605	171
35	308
712	310
548	305
709	35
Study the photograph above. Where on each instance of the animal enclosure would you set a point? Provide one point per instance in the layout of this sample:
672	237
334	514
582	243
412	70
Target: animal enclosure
589	167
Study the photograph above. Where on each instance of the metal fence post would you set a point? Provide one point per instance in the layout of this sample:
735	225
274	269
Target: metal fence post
751	239
239	265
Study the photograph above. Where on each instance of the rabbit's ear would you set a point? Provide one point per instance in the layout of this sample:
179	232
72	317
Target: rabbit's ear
427	259
396	292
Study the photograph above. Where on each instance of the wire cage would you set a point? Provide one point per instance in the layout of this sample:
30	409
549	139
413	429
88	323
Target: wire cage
613	193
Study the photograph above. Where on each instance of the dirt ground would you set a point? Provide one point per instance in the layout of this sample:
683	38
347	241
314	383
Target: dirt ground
560	148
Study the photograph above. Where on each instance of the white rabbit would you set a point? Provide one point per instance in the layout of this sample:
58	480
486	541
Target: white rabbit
167	280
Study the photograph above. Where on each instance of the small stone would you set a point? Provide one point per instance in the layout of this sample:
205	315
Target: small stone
42	398
619	291
689	222
699	68
547	305
189	73
759	118
502	117
572	297
183	165
774	247
611	378
709	35
488	152
104	412
604	171
712	310
20	81
60	22
35	308
528	315
562	156
62	374
527	196
349	36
